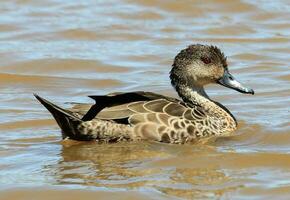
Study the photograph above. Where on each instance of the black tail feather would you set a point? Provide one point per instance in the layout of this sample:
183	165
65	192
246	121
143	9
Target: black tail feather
66	120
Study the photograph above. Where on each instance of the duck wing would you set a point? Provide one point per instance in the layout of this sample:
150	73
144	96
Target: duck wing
115	105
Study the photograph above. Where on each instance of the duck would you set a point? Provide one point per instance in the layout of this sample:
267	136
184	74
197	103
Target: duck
140	115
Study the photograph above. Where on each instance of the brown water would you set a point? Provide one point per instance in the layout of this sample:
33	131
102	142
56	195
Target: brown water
66	50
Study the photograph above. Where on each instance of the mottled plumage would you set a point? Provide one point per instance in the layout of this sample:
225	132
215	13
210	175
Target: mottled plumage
150	116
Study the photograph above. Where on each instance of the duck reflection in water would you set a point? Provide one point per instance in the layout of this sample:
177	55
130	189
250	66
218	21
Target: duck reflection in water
133	166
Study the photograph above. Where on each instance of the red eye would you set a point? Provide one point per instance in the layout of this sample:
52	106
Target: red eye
205	60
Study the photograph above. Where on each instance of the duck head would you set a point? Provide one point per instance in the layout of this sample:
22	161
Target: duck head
199	65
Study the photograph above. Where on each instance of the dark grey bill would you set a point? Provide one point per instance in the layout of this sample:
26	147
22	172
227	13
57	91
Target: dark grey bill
229	81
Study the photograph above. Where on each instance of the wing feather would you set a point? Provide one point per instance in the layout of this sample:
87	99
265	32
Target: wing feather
156	105
137	107
163	118
174	109
188	114
147	131
137	118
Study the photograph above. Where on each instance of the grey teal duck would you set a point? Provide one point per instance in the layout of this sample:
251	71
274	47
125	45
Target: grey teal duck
149	116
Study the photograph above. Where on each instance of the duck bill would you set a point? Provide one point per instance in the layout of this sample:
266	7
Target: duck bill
229	81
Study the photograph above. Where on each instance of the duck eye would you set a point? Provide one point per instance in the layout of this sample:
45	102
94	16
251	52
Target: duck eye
205	60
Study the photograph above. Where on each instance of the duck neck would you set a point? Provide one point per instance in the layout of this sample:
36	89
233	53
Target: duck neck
195	95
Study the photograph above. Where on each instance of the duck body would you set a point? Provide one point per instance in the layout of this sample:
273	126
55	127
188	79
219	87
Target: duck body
142	116
149	116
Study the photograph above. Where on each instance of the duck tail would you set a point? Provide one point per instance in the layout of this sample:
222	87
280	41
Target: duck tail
65	119
85	130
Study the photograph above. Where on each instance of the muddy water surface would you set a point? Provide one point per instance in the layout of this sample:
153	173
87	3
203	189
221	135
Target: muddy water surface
66	50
